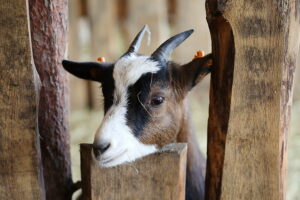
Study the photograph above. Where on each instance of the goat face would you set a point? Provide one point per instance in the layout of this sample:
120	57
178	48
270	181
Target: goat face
143	99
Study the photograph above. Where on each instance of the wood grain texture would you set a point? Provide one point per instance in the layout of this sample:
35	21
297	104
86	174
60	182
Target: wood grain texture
248	134
49	40
20	167
220	98
157	176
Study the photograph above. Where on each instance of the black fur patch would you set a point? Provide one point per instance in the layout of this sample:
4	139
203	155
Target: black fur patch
108	87
138	98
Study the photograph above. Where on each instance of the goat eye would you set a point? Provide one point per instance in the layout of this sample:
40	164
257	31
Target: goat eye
155	101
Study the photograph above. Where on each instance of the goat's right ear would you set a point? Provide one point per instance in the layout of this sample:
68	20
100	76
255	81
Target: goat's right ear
188	75
94	71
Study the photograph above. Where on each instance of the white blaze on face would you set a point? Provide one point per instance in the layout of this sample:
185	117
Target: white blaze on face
124	146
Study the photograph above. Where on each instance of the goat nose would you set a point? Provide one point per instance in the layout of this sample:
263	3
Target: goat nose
100	148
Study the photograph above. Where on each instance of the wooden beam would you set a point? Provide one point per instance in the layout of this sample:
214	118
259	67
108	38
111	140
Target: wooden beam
49	41
255	45
157	176
20	159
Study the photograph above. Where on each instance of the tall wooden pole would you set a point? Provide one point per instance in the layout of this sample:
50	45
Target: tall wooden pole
49	39
255	45
20	165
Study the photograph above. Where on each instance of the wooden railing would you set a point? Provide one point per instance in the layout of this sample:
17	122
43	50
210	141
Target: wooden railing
157	176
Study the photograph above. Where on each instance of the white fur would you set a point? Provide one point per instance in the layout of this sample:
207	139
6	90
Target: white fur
124	146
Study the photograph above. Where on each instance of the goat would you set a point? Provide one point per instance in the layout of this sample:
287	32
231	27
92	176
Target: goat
145	106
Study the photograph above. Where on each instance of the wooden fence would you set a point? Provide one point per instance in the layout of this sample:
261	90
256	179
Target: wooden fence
254	45
157	176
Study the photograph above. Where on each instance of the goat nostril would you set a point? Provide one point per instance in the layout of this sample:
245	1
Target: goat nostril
100	149
104	147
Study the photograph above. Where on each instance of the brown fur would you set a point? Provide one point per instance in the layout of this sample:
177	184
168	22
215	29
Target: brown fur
164	125
170	122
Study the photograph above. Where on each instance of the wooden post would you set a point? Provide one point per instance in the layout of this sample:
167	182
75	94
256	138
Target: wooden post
104	40
254	44
78	87
102	18
20	166
182	21
141	12
157	176
297	81
49	39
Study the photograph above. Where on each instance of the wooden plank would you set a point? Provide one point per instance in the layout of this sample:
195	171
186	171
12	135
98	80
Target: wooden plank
103	22
200	40
141	12
20	165
76	51
104	41
49	41
157	176
255	45
297	81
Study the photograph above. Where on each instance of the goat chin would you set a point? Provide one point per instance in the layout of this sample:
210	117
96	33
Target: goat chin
112	159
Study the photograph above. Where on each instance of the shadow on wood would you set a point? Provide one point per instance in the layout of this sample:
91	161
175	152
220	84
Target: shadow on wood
157	176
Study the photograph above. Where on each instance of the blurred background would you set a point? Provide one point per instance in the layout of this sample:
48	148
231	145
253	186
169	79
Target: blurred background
105	28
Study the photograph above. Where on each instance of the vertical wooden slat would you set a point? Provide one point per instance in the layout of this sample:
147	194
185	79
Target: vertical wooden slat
49	40
157	176
141	12
20	165
182	21
102	18
78	87
104	40
255	45
297	81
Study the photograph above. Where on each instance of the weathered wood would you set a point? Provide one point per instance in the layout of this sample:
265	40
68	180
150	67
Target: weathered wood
255	44
20	167
157	176
49	38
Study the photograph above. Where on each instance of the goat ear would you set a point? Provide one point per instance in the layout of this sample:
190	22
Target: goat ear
89	70
190	74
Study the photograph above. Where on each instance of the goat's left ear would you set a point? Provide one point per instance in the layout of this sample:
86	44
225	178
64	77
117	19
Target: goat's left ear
95	71
188	75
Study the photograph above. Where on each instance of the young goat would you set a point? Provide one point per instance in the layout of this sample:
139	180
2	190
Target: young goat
145	106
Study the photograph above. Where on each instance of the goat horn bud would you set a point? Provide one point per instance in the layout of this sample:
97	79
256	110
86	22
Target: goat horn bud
136	43
163	52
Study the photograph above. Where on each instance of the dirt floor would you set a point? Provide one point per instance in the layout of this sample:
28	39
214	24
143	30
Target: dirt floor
84	124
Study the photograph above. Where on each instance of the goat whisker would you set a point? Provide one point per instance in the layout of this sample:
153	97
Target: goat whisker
142	103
